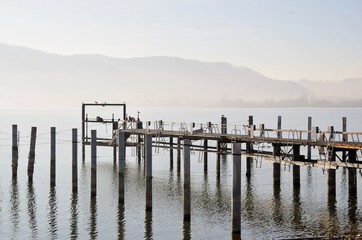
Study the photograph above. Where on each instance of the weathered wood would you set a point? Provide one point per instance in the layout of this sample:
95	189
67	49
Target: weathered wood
15	151
296	176
279	134
171	152
249	145
31	155
352	182
52	156
93	163
148	172
121	165
187	181
344	136
178	155
331	181
74	160
218	159
236	189
309	147
205	155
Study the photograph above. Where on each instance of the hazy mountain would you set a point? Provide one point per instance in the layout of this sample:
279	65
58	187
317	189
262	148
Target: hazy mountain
35	78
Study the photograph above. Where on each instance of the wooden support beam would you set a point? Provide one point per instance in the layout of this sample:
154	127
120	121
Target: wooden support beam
52	156
15	151
187	180
93	163
309	147
236	189
74	160
121	165
32	155
148	171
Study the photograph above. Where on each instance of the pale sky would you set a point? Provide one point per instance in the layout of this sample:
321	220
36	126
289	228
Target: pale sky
282	39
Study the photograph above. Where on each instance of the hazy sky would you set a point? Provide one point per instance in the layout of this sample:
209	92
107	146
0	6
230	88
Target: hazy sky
282	39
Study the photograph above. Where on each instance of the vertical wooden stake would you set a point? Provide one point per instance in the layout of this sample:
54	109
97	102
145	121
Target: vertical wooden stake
32	155
148	166
236	191
249	145
309	147
178	155
280	135
249	164
93	163
52	156
15	151
331	181
187	181
121	165
205	156
171	152
344	136
218	149
296	176
74	160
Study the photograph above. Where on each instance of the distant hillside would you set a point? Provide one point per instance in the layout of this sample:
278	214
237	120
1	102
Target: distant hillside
35	78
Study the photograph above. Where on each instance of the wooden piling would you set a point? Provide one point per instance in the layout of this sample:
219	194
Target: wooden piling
249	145
121	165
218	149
75	160
93	163
187	181
178	155
171	152
276	174
352	181
331	181
52	156
205	155
344	136
309	147
249	164
296	153
15	151
148	171
31	155
223	124
279	127
296	176
236	191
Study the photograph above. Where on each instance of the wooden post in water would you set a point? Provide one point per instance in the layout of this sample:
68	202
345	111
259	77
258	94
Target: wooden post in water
249	145
139	125
52	156
205	155
309	147
32	154
218	149
249	164
75	160
344	136
276	174
178	155
121	165
296	176
93	163
236	191
331	181
171	152
187	181
352	182
15	151
280	126
148	168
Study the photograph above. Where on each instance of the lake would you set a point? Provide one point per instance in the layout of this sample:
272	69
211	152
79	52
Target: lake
267	212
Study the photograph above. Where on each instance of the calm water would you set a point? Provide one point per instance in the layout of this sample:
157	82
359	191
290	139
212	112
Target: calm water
268	212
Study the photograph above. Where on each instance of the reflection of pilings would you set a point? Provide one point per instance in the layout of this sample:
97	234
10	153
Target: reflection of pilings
15	152
297	213
52	156
332	182
276	192
93	233
333	225
32	210
121	165
236	191
187	182
148	171
148	226
52	215
93	163
296	176
120	220
74	160
14	205
187	230
74	216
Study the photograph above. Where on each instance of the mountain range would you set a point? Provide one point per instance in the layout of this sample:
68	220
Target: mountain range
33	78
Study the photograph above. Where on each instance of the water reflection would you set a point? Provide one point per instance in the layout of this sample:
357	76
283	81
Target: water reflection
32	210
277	214
52	215
14	205
93	233
297	208
74	216
187	230
352	200
121	221
148	225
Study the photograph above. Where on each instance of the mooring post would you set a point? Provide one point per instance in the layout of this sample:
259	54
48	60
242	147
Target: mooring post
344	136
171	152
249	164
93	163
148	167
218	149
223	124
75	160
114	132
352	181
32	154
15	151
205	155
276	174
236	191
296	153
121	165
309	147
280	127
296	176
249	145
178	155
52	156
332	181
187	181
